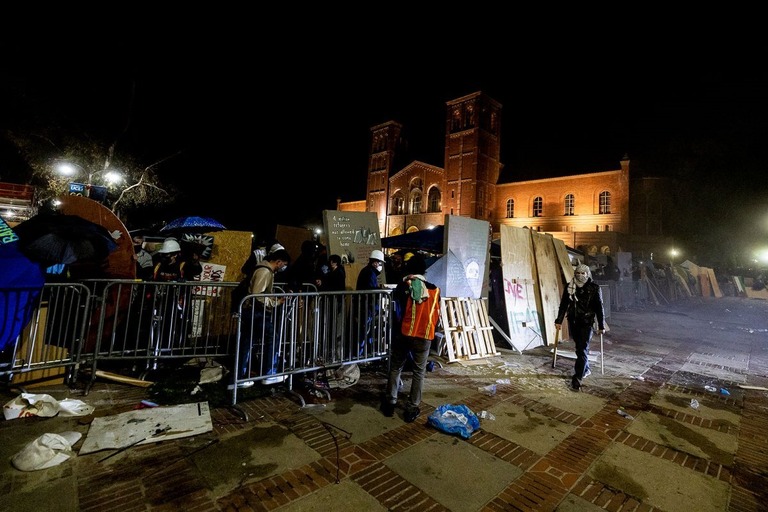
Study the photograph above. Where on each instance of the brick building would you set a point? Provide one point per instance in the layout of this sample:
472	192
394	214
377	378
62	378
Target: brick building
602	212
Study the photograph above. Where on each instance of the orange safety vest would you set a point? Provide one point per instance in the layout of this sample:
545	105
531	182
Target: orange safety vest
421	318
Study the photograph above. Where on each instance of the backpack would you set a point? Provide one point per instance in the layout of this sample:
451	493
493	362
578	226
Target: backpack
239	293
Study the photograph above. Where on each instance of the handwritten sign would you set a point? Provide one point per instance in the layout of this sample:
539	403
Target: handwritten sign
212	273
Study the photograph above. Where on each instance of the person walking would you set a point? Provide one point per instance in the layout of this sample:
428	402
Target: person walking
260	319
416	315
582	303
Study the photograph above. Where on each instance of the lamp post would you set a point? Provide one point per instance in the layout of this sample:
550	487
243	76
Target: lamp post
88	189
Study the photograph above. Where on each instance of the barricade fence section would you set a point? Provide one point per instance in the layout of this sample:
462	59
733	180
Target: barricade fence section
281	335
79	328
48	344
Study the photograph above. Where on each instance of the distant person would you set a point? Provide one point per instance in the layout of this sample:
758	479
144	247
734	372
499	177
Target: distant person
394	269
582	303
144	266
416	315
335	280
302	271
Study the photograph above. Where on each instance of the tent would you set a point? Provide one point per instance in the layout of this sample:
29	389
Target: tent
429	240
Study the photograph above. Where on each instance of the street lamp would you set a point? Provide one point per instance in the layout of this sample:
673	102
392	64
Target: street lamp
673	253
69	169
96	192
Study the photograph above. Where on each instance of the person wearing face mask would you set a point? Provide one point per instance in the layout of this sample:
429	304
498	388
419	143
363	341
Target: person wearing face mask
260	320
369	319
582	303
368	278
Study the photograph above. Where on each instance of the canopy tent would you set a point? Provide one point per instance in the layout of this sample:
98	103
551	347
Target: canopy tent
429	240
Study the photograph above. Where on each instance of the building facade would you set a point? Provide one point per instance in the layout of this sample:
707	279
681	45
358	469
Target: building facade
601	212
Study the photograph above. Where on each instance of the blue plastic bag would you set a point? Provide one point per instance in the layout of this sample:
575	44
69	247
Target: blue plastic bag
454	419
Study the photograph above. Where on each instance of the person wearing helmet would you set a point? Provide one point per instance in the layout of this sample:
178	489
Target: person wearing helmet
369	318
368	278
172	266
172	303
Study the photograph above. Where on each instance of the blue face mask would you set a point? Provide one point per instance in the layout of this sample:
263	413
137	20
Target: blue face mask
282	269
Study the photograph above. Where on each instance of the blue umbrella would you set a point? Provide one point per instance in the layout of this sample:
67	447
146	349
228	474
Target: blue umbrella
193	223
21	281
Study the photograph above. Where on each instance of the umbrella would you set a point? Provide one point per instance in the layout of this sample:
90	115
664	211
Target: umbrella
57	238
193	223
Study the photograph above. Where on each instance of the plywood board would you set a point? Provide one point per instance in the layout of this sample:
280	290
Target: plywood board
469	241
549	290
713	281
520	284
352	235
144	426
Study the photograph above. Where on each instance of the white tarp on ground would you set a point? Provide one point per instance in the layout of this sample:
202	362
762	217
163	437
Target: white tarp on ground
145	426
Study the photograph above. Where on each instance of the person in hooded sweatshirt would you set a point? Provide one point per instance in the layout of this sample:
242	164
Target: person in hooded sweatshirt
582	303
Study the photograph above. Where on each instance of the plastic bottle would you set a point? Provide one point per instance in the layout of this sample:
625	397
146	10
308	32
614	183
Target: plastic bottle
694	403
625	414
711	389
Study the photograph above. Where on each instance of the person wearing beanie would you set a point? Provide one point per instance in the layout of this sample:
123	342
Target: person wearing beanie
582	303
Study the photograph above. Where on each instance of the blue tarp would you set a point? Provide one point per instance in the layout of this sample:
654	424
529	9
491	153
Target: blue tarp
21	281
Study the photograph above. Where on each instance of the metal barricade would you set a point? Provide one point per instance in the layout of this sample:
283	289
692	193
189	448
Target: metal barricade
144	325
148	324
49	345
308	332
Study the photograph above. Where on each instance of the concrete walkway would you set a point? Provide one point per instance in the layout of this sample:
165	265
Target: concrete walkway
541	446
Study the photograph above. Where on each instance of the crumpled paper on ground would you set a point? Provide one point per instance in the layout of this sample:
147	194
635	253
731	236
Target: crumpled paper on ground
46	451
31	404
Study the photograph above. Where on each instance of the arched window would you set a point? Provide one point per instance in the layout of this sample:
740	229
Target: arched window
398	204
434	202
415	196
569	204
605	202
510	208
538	206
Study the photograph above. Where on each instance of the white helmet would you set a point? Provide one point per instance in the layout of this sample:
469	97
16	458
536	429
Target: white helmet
377	255
169	245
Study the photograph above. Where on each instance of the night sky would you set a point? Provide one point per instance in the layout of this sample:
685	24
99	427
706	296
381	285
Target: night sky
265	134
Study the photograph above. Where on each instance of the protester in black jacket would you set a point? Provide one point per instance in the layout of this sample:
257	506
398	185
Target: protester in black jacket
582	303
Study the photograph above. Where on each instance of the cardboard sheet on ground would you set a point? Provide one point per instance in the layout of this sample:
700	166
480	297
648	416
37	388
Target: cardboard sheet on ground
142	426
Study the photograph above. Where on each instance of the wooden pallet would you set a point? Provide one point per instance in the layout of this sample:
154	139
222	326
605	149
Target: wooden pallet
468	330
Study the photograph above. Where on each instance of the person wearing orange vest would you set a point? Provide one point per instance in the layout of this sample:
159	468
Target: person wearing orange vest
416	315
